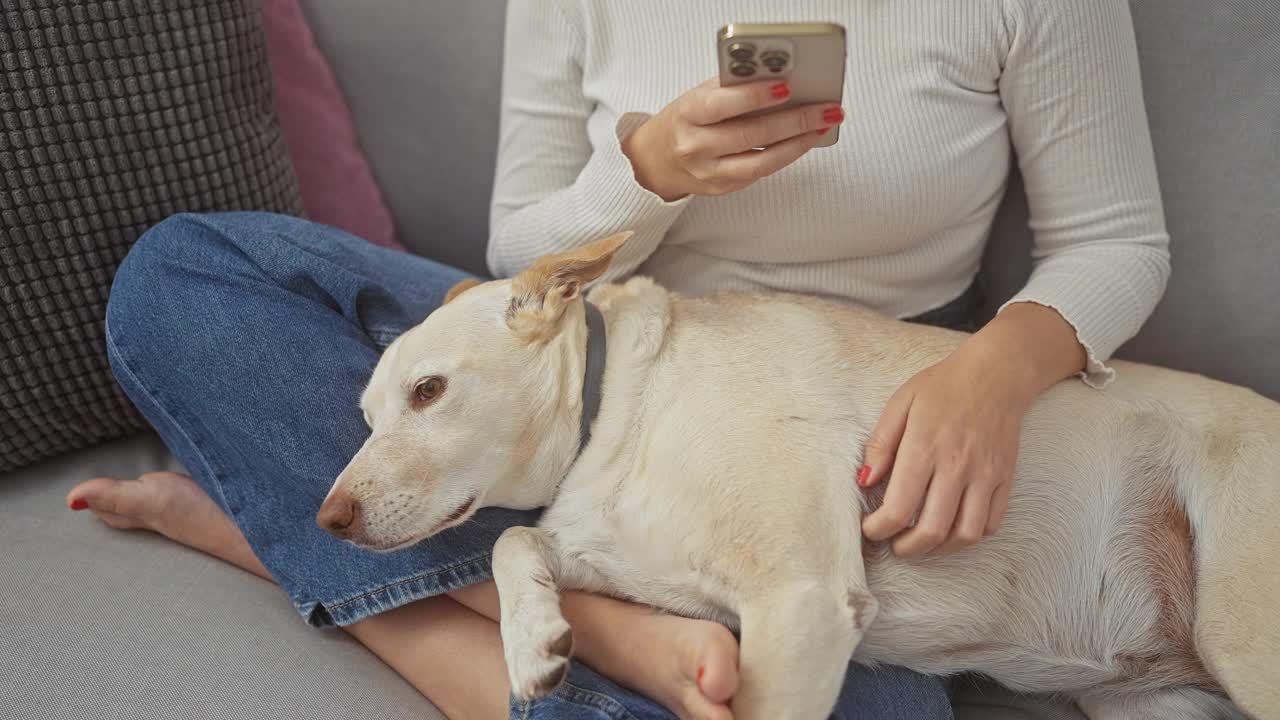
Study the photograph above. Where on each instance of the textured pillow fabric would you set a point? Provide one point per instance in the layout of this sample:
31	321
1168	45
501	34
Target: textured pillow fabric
338	188
114	114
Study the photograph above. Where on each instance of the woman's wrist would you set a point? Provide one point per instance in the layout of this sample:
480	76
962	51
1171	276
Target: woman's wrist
644	162
1026	349
993	364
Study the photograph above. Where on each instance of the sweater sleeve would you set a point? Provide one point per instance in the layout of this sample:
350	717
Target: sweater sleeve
553	189
1073	95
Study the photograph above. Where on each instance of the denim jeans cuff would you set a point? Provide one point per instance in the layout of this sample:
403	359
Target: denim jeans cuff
574	702
353	609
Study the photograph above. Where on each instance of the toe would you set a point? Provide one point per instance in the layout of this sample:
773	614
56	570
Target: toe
133	501
717	673
103	497
97	494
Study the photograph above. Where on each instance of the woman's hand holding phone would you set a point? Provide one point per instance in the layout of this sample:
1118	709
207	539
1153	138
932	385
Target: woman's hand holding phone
699	144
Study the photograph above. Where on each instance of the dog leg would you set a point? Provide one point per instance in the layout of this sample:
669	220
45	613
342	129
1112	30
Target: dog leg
536	639
1181	703
797	642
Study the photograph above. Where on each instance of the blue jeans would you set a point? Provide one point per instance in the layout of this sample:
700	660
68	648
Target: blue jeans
246	339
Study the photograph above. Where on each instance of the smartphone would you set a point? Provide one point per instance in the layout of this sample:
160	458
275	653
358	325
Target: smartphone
810	57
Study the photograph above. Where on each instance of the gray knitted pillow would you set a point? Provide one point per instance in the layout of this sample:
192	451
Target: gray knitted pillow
114	114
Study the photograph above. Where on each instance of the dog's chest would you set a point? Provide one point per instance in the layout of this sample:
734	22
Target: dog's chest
626	548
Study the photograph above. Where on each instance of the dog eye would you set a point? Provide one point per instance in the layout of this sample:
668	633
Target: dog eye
428	389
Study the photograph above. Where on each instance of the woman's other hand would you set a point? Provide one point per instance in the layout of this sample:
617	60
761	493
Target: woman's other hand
698	145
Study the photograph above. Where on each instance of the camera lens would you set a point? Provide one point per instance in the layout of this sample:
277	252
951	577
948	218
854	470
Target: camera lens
742	51
743	68
775	60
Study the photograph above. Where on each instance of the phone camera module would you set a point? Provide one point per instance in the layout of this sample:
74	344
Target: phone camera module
775	60
742	51
743	68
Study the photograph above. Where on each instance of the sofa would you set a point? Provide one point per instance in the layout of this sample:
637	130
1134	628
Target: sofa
104	624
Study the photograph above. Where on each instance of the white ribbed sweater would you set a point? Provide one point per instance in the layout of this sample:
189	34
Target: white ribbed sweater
939	95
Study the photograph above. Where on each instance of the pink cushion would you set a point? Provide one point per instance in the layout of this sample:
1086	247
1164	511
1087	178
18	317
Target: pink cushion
338	187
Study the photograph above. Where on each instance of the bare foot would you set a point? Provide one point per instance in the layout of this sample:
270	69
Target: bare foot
172	505
689	666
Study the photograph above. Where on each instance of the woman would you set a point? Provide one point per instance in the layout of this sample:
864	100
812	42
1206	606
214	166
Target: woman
246	338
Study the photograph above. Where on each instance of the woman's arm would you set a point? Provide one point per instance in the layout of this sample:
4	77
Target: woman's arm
552	192
1072	90
948	439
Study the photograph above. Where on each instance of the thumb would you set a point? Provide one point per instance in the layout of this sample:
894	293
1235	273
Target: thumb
882	446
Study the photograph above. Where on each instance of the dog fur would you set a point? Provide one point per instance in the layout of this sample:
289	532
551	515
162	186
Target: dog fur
1136	570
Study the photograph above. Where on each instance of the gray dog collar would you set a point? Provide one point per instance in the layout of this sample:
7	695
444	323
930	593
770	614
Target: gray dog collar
593	376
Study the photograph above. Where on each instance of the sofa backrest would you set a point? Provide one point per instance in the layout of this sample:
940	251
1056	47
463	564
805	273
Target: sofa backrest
423	81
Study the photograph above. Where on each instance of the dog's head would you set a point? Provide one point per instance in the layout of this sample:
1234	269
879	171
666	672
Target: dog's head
479	404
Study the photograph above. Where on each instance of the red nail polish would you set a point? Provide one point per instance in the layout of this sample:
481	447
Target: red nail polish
79	504
864	475
780	90
832	115
823	131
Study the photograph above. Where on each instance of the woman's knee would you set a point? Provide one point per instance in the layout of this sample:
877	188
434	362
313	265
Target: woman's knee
160	273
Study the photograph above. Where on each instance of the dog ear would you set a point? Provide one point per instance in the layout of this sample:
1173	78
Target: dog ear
540	294
460	288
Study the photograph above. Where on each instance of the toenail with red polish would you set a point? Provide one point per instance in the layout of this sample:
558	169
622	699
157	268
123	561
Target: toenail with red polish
79	504
701	672
863	475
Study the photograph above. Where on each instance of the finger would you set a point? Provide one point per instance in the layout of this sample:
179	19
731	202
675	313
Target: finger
882	446
971	521
903	498
936	518
742	134
999	506
709	103
755	164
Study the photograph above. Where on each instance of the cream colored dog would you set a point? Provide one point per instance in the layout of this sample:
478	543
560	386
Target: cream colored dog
1137	569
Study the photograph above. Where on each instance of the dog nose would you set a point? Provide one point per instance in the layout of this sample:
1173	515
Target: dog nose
339	515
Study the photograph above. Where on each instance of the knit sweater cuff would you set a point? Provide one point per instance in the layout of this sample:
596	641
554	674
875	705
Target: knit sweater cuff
626	202
604	198
1103	315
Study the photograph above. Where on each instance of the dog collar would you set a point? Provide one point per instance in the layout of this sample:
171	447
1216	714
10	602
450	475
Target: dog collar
593	376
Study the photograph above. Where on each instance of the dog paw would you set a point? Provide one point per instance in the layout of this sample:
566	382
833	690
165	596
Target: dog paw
538	661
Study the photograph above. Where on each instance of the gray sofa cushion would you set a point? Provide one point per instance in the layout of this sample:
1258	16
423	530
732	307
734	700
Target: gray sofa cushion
105	624
113	115
423	78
